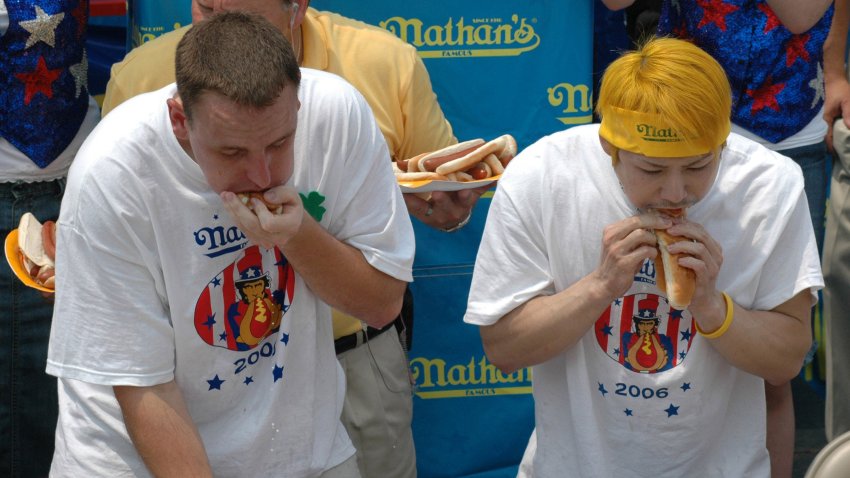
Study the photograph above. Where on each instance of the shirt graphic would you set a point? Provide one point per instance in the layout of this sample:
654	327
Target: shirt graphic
644	334
245	303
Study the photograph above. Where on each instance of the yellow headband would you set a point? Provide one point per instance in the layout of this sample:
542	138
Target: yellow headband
649	135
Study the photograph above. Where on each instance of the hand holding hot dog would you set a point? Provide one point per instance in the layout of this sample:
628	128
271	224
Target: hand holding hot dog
704	256
263	226
626	244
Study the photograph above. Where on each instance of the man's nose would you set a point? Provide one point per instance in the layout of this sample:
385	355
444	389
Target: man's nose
674	190
258	171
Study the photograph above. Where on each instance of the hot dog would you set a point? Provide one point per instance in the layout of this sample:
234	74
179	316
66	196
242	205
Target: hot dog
679	283
432	161
37	249
467	161
246	200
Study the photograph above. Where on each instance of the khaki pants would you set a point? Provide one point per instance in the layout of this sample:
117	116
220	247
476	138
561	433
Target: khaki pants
378	408
346	469
836	297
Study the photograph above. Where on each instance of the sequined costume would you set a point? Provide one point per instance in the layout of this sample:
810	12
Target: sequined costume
776	76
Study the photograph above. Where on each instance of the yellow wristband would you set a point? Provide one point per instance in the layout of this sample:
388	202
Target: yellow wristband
730	315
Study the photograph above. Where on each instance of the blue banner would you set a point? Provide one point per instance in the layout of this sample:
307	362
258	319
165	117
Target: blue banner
148	19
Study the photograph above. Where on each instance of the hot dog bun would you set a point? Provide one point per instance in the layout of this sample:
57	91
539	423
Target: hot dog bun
37	249
246	200
31	241
676	281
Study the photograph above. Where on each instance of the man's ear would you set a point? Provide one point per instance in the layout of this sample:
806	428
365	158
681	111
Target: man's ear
179	121
606	146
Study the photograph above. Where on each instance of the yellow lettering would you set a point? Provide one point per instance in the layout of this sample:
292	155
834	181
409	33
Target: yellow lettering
422	367
492	37
557	97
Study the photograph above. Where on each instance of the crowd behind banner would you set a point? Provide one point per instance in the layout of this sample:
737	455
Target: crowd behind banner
497	67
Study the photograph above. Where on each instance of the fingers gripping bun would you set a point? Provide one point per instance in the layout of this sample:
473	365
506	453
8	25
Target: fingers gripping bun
246	200
676	281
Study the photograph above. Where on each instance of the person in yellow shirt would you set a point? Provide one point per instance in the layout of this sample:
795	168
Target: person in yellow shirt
393	79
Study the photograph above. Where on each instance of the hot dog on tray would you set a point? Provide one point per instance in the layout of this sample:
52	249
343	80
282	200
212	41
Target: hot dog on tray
467	161
37	249
679	283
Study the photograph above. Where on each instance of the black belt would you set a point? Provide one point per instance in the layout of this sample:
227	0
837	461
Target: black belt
351	341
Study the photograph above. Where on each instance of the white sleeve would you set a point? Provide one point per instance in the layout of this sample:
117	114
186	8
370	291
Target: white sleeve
369	211
110	322
512	265
794	264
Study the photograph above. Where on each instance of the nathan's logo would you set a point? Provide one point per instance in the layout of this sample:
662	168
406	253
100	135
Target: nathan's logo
219	240
462	37
649	132
575	100
437	379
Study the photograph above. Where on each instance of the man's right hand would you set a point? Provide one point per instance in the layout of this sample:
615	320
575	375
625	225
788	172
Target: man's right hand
626	245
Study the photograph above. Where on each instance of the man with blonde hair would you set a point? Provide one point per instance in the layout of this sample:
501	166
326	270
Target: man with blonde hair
569	282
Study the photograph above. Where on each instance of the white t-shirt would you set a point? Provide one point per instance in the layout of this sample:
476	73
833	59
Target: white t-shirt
149	269
596	413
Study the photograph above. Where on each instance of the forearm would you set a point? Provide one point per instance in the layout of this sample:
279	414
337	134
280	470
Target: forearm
835	45
341	276
162	431
799	16
617	4
545	326
770	344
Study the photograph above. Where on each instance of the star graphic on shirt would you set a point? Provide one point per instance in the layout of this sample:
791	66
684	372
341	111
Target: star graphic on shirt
39	80
796	49
277	373
714	12
765	96
817	85
80	15
602	389
617	302
215	383
628	412
671	410
248	380
216	281
210	321
285	339
682	355
42	28
222	337
607	330
616	351
686	335
685	387
80	72
772	20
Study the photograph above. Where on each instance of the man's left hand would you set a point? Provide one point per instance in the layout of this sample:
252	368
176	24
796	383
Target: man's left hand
444	210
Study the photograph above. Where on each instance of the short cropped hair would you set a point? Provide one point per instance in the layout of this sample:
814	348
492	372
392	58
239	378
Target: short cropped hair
238	55
676	80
